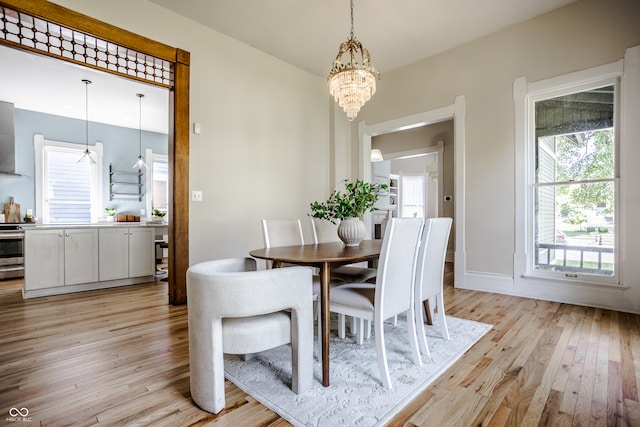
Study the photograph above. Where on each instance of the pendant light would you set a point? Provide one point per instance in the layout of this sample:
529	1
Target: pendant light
87	154
140	162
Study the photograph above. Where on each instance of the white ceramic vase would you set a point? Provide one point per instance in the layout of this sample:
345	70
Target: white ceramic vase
352	231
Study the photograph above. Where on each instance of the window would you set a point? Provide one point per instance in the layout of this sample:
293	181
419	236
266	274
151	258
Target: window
67	191
158	181
572	182
412	195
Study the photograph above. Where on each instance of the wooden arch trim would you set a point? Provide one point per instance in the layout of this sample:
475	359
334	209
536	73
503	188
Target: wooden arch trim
178	122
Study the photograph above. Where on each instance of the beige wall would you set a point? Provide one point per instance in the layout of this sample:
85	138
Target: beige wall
581	35
264	147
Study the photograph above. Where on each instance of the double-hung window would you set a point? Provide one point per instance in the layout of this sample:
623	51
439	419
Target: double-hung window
572	180
67	190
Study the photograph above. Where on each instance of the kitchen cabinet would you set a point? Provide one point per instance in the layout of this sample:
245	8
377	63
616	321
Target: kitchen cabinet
126	252
60	257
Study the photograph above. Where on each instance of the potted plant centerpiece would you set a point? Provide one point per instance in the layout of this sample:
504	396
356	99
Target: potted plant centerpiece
348	208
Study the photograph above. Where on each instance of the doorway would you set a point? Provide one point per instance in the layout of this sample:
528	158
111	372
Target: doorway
179	62
455	112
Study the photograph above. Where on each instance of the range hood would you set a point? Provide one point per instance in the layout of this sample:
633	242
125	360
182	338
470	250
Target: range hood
7	139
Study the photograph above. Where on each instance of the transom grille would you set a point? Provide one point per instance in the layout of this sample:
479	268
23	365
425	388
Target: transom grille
42	36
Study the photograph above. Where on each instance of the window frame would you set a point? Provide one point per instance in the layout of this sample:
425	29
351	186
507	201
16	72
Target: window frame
97	191
525	96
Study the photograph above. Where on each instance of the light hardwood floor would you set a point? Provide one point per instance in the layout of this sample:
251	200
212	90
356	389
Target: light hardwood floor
120	357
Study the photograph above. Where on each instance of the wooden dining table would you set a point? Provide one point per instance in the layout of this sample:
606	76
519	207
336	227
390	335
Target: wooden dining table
323	256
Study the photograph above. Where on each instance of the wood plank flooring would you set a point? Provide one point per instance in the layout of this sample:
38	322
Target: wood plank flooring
120	357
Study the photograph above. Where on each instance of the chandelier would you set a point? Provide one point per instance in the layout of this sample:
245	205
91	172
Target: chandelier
352	83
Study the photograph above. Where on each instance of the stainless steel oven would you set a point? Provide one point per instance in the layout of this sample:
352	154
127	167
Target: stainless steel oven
11	251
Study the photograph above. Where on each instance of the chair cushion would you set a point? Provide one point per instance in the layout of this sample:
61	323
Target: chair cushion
255	333
356	295
353	274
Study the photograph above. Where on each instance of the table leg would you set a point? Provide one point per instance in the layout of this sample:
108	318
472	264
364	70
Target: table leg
324	319
427	309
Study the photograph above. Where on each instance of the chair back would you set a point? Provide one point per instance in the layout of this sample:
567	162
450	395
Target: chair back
324	231
431	257
396	266
282	232
232	288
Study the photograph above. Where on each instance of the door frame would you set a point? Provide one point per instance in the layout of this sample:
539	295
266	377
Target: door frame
455	112
178	120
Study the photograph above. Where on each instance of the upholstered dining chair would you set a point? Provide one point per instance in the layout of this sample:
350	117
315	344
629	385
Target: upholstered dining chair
430	275
234	309
325	232
393	292
288	232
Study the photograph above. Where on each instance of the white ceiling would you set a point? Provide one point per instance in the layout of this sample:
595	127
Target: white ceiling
39	83
306	34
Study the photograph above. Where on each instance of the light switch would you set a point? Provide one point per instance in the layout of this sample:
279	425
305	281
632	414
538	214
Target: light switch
196	128
196	196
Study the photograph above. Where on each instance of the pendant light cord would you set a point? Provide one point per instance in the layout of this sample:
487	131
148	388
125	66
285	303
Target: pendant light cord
86	111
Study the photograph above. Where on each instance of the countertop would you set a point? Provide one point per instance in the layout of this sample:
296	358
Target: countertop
37	226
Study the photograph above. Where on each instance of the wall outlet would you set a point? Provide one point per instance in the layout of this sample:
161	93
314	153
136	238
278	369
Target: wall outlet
196	196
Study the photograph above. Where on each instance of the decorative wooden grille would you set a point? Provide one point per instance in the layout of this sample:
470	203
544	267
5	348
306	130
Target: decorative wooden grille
39	35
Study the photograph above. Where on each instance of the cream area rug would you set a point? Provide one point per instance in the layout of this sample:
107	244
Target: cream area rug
356	396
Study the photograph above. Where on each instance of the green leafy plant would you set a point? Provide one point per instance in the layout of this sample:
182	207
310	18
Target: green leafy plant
359	197
158	213
110	211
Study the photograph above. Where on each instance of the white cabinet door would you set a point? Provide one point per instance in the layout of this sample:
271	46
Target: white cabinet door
80	255
142	260
44	259
114	253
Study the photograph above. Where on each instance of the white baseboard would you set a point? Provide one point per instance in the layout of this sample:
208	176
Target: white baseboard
45	292
604	297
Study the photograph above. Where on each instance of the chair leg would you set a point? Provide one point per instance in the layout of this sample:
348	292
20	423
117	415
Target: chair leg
367	329
420	332
381	352
341	326
441	317
413	338
301	353
316	317
360	330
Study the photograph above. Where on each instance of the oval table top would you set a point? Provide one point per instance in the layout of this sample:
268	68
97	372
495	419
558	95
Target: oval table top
335	252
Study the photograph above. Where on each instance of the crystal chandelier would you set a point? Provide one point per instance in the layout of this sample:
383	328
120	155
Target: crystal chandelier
352	83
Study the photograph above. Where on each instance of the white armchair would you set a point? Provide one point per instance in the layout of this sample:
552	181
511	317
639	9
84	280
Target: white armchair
236	310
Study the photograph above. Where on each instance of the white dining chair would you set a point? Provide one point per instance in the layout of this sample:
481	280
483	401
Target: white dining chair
430	276
326	232
392	294
288	232
235	309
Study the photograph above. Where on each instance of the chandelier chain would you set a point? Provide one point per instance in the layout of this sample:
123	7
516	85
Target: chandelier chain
351	35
